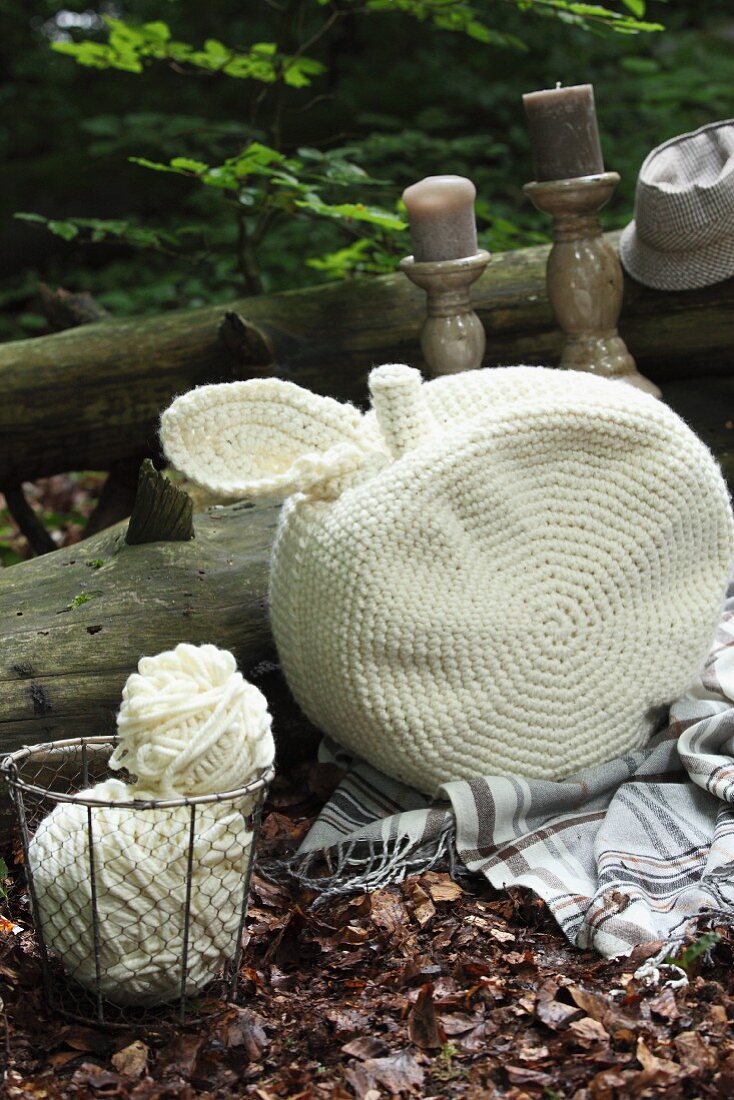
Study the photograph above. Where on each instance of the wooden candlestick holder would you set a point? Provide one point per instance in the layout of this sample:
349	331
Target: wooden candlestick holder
584	277
452	337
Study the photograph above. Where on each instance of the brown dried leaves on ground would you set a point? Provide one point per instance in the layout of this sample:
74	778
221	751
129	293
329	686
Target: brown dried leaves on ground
426	989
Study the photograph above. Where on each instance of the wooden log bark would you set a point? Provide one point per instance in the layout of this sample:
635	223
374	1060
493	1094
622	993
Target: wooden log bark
89	397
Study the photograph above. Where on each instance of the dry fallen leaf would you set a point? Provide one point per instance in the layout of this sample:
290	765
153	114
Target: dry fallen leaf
366	1046
501	935
424	1028
523	1075
441	886
555	1014
693	1051
665	1005
132	1061
660	1071
588	1032
387	911
423	908
594	1005
398	1073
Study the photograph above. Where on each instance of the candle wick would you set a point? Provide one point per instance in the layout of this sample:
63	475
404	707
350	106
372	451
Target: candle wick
558	84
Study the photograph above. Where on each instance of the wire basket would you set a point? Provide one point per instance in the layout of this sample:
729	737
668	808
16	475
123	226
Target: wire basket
136	905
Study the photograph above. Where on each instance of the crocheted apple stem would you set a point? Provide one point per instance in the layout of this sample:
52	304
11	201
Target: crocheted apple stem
402	413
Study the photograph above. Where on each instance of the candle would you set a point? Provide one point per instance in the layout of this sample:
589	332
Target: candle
441	214
564	135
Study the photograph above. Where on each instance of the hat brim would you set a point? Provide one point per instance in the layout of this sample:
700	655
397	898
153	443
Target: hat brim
682	270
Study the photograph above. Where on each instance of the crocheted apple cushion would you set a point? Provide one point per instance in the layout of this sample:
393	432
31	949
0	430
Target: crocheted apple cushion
502	571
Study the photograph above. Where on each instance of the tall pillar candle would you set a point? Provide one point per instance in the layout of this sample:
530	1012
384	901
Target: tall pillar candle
442	221
564	134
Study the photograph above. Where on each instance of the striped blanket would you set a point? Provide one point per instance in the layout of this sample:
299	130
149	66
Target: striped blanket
628	852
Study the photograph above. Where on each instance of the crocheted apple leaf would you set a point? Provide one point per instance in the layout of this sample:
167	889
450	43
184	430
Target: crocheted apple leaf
264	437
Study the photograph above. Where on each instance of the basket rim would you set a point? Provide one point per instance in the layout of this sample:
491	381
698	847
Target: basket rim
9	770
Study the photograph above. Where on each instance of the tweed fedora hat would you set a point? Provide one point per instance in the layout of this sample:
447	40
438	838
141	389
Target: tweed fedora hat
682	235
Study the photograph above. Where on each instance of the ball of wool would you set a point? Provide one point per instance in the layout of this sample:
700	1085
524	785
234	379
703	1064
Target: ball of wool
190	724
141	856
525	569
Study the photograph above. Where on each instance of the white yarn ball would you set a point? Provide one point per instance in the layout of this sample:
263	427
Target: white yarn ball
189	725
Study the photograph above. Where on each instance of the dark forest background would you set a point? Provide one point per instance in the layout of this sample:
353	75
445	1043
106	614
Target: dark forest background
379	99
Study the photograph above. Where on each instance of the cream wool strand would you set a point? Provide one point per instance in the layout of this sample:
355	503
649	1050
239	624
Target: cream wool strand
189	725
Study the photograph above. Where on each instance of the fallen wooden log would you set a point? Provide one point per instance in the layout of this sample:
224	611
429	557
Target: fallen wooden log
91	396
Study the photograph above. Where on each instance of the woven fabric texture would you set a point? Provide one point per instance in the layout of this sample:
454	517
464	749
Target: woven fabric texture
525	570
682	235
189	725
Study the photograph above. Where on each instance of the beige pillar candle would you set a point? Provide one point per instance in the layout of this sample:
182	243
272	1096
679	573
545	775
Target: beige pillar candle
564	134
442	222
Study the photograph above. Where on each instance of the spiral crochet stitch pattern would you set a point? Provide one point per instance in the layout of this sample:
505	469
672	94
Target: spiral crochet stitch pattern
524	570
189	725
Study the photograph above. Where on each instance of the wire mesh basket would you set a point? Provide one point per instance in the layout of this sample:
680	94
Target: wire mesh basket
136	904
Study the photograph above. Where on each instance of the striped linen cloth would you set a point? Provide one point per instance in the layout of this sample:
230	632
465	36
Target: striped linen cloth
624	853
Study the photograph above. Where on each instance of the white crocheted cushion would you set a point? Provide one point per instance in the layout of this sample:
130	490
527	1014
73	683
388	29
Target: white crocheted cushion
535	574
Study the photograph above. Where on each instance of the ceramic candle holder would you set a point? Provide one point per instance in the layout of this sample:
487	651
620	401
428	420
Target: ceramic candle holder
584	277
452	337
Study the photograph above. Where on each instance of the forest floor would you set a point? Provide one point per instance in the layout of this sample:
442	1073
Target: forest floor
426	989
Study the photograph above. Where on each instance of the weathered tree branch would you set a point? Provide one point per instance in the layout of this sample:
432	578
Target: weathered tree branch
66	309
86	398
29	525
163	512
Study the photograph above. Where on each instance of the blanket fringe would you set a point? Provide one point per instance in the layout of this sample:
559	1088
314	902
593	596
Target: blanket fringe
362	865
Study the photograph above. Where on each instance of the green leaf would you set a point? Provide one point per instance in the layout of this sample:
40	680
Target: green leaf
217	51
39	218
354	211
100	229
81	598
637	7
694	951
154	165
95	55
187	164
641	65
362	257
130	46
3	875
65	229
298	73
339	264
